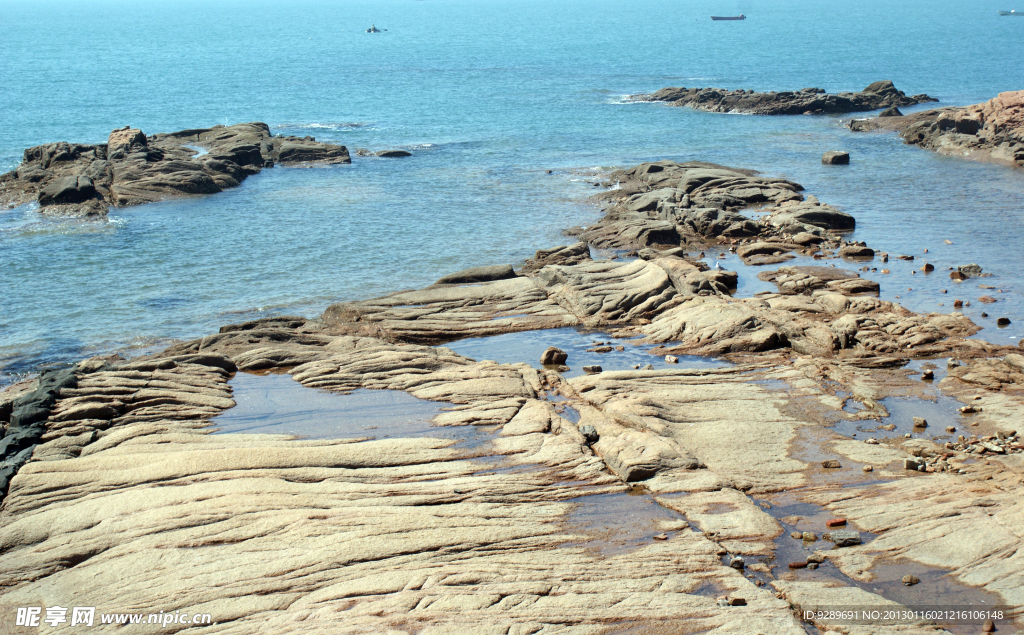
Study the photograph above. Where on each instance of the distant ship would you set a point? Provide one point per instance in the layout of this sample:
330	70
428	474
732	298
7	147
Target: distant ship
1014	12
729	17
374	29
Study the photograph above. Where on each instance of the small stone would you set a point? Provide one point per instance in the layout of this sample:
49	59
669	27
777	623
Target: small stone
907	436
957	276
911	464
589	433
872	441
1003	321
812	565
928	267
984	315
647	367
958	304
928	374
987	299
737	602
796	535
737	563
723	601
885	271
831	464
661	537
815	558
988	627
910	580
553	356
920	422
889	427
592	370
868	468
808	536
968	410
950	429
600	349
844	538
948	241
620	348
836	157
671	359
799	564
836	522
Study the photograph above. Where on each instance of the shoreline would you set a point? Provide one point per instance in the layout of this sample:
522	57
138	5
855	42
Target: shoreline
696	441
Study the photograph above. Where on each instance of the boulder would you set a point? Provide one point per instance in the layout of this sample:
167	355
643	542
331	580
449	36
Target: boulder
553	356
67	190
891	111
836	157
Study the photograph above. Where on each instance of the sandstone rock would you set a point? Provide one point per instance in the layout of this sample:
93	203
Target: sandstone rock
856	251
831	464
891	111
479	274
592	370
844	538
920	422
910	580
836	157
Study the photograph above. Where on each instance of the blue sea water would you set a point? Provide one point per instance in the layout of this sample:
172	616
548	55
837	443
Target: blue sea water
490	96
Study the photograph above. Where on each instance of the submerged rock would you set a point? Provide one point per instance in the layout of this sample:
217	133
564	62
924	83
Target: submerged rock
836	157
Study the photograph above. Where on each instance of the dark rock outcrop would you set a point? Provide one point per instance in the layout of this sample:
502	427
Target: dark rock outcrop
131	168
807	101
992	131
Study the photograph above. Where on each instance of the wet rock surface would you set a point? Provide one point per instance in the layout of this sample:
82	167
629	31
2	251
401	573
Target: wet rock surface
613	494
72	179
990	131
806	101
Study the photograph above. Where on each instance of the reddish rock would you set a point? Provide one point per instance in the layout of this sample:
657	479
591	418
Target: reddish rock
836	522
798	565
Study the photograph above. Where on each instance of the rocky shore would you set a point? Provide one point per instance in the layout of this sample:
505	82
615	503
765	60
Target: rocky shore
120	494
74	179
990	131
808	101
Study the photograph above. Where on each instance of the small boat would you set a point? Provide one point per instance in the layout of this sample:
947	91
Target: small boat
729	17
1013	12
374	29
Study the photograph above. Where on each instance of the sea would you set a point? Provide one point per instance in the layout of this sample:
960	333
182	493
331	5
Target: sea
512	109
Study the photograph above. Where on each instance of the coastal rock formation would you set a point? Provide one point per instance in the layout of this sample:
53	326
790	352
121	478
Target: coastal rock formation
991	131
807	101
130	169
658	510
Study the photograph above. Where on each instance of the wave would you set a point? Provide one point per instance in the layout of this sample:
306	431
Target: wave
340	126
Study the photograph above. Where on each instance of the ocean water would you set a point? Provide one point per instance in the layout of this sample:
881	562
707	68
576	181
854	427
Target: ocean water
509	107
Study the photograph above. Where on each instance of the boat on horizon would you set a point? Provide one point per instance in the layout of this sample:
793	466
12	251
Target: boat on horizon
1011	12
729	17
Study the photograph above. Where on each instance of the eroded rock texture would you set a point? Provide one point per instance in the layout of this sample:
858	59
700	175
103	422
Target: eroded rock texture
990	131
130	169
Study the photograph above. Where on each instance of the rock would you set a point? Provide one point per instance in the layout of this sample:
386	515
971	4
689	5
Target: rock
920	422
800	564
958	276
891	111
844	538
600	349
393	154
553	356
987	299
928	267
796	535
856	251
836	157
910	580
868	468
928	374
132	169
971	271
561	255
912	464
831	464
812	565
660	536
835	522
734	601
808	536
591	370
737	563
988	626
1003	321
671	359
590	434
479	274
811	213
816	101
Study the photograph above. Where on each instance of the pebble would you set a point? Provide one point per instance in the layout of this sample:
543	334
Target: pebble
844	538
831	464
591	370
812	565
671	359
815	558
969	410
928	374
809	536
912	464
907	436
836	522
868	468
661	537
796	535
910	580
589	433
798	564
737	563
872	441
737	602
920	422
885	270
1003	321
988	627
948	242
951	429
648	367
